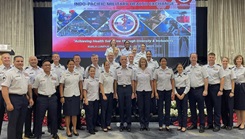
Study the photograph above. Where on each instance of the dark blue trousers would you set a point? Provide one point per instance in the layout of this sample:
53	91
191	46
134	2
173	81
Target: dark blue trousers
106	110
153	106
182	108
92	110
29	116
2	110
16	117
125	104
213	104
144	101
195	95
164	97
134	106
45	103
227	108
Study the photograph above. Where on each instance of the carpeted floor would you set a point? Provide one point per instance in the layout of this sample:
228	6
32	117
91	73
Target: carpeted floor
152	134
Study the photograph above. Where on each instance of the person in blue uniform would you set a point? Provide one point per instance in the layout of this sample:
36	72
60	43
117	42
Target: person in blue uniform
14	88
239	94
124	88
71	94
144	90
228	95
164	92
182	87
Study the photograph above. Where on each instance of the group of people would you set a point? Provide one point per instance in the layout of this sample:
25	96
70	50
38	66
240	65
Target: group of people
51	87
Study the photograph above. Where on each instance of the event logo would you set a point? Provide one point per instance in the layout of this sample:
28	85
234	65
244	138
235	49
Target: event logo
183	1
124	23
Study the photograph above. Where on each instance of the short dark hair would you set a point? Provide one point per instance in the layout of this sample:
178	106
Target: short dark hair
236	57
148	51
126	41
18	56
193	54
211	54
162	59
70	61
90	68
76	55
179	64
45	60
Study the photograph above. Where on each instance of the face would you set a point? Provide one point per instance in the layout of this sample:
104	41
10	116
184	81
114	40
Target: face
95	59
193	58
107	66
143	63
148	55
110	57
19	62
46	66
211	59
71	66
116	52
131	57
127	44
225	62
6	59
33	61
92	72
113	42
239	61
77	60
56	58
123	60
163	62
134	51
180	68
142	47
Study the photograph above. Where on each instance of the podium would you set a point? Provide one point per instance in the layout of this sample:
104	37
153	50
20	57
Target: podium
4	48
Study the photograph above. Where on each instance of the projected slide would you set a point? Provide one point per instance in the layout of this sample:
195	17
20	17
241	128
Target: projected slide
85	27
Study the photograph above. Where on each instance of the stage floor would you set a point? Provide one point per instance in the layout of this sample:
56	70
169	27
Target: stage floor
152	134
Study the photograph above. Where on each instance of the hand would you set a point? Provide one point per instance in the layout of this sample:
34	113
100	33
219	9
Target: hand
220	93
205	93
62	100
133	95
182	96
104	97
172	96
31	102
81	97
85	101
10	107
115	96
152	95
231	94
156	95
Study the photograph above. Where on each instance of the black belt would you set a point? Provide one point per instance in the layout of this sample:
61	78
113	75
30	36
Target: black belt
180	87
39	95
124	85
213	84
240	83
22	95
197	87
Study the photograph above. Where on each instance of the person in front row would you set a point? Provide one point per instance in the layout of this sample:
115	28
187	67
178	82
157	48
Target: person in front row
144	91
45	86
124	88
91	99
14	88
182	87
164	91
70	96
106	81
199	86
228	95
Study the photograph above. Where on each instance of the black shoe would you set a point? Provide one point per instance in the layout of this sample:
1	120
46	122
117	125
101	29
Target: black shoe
43	132
38	138
95	130
55	136
237	126
141	128
121	129
209	127
179	128
167	128
109	128
105	130
201	129
68	135
147	129
241	128
160	129
61	128
76	134
192	127
91	132
216	129
129	129
30	136
80	128
223	127
228	128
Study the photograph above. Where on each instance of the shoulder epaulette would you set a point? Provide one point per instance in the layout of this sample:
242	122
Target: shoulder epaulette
232	67
117	67
218	65
130	67
26	68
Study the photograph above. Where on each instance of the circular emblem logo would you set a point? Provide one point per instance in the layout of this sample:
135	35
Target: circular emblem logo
183	1
124	23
